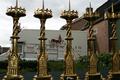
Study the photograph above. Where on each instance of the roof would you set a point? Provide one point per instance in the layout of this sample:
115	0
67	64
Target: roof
82	24
107	6
4	49
101	10
26	34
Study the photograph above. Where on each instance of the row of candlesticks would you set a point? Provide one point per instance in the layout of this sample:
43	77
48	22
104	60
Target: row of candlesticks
89	12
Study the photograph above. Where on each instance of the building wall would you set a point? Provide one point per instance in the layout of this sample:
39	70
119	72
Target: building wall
78	25
55	44
102	36
3	49
100	30
118	34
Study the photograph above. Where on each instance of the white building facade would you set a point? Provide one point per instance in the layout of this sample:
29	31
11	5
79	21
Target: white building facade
55	44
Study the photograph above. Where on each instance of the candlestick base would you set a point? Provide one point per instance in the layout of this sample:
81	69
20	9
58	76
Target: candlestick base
114	76
69	77
95	76
16	77
48	77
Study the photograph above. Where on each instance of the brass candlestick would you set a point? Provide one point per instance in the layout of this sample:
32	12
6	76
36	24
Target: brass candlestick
69	72
42	73
91	16
92	70
112	17
13	58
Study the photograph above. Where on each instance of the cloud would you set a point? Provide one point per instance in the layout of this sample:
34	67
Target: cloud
30	22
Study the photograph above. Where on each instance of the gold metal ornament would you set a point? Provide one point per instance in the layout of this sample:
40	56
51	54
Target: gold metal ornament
13	72
112	17
92	70
42	73
69	71
91	16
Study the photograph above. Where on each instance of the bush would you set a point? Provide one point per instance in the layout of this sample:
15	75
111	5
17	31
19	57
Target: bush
28	65
105	60
82	64
3	66
56	65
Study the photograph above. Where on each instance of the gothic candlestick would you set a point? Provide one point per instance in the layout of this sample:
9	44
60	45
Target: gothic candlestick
112	17
91	16
13	58
69	60
42	73
92	73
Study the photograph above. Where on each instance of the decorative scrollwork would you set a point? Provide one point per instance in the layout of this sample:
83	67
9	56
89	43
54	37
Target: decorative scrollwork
113	36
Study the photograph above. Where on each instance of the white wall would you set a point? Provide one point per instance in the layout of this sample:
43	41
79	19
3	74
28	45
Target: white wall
30	38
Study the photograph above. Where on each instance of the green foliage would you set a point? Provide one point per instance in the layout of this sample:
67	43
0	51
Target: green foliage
105	60
28	65
3	66
56	65
82	63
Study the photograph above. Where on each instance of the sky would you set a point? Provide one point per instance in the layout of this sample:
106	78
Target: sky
29	22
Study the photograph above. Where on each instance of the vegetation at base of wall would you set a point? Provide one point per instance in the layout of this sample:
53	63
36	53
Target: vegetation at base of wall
56	65
28	66
3	66
81	64
105	61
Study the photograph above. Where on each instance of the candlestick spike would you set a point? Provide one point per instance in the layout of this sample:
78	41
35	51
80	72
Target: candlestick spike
16	3
43	4
112	8
69	5
90	5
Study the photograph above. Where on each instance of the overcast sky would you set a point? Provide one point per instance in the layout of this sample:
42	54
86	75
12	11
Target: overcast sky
29	22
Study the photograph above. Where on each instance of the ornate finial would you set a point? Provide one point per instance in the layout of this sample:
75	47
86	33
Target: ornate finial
43	13
43	4
16	11
16	3
112	8
69	5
